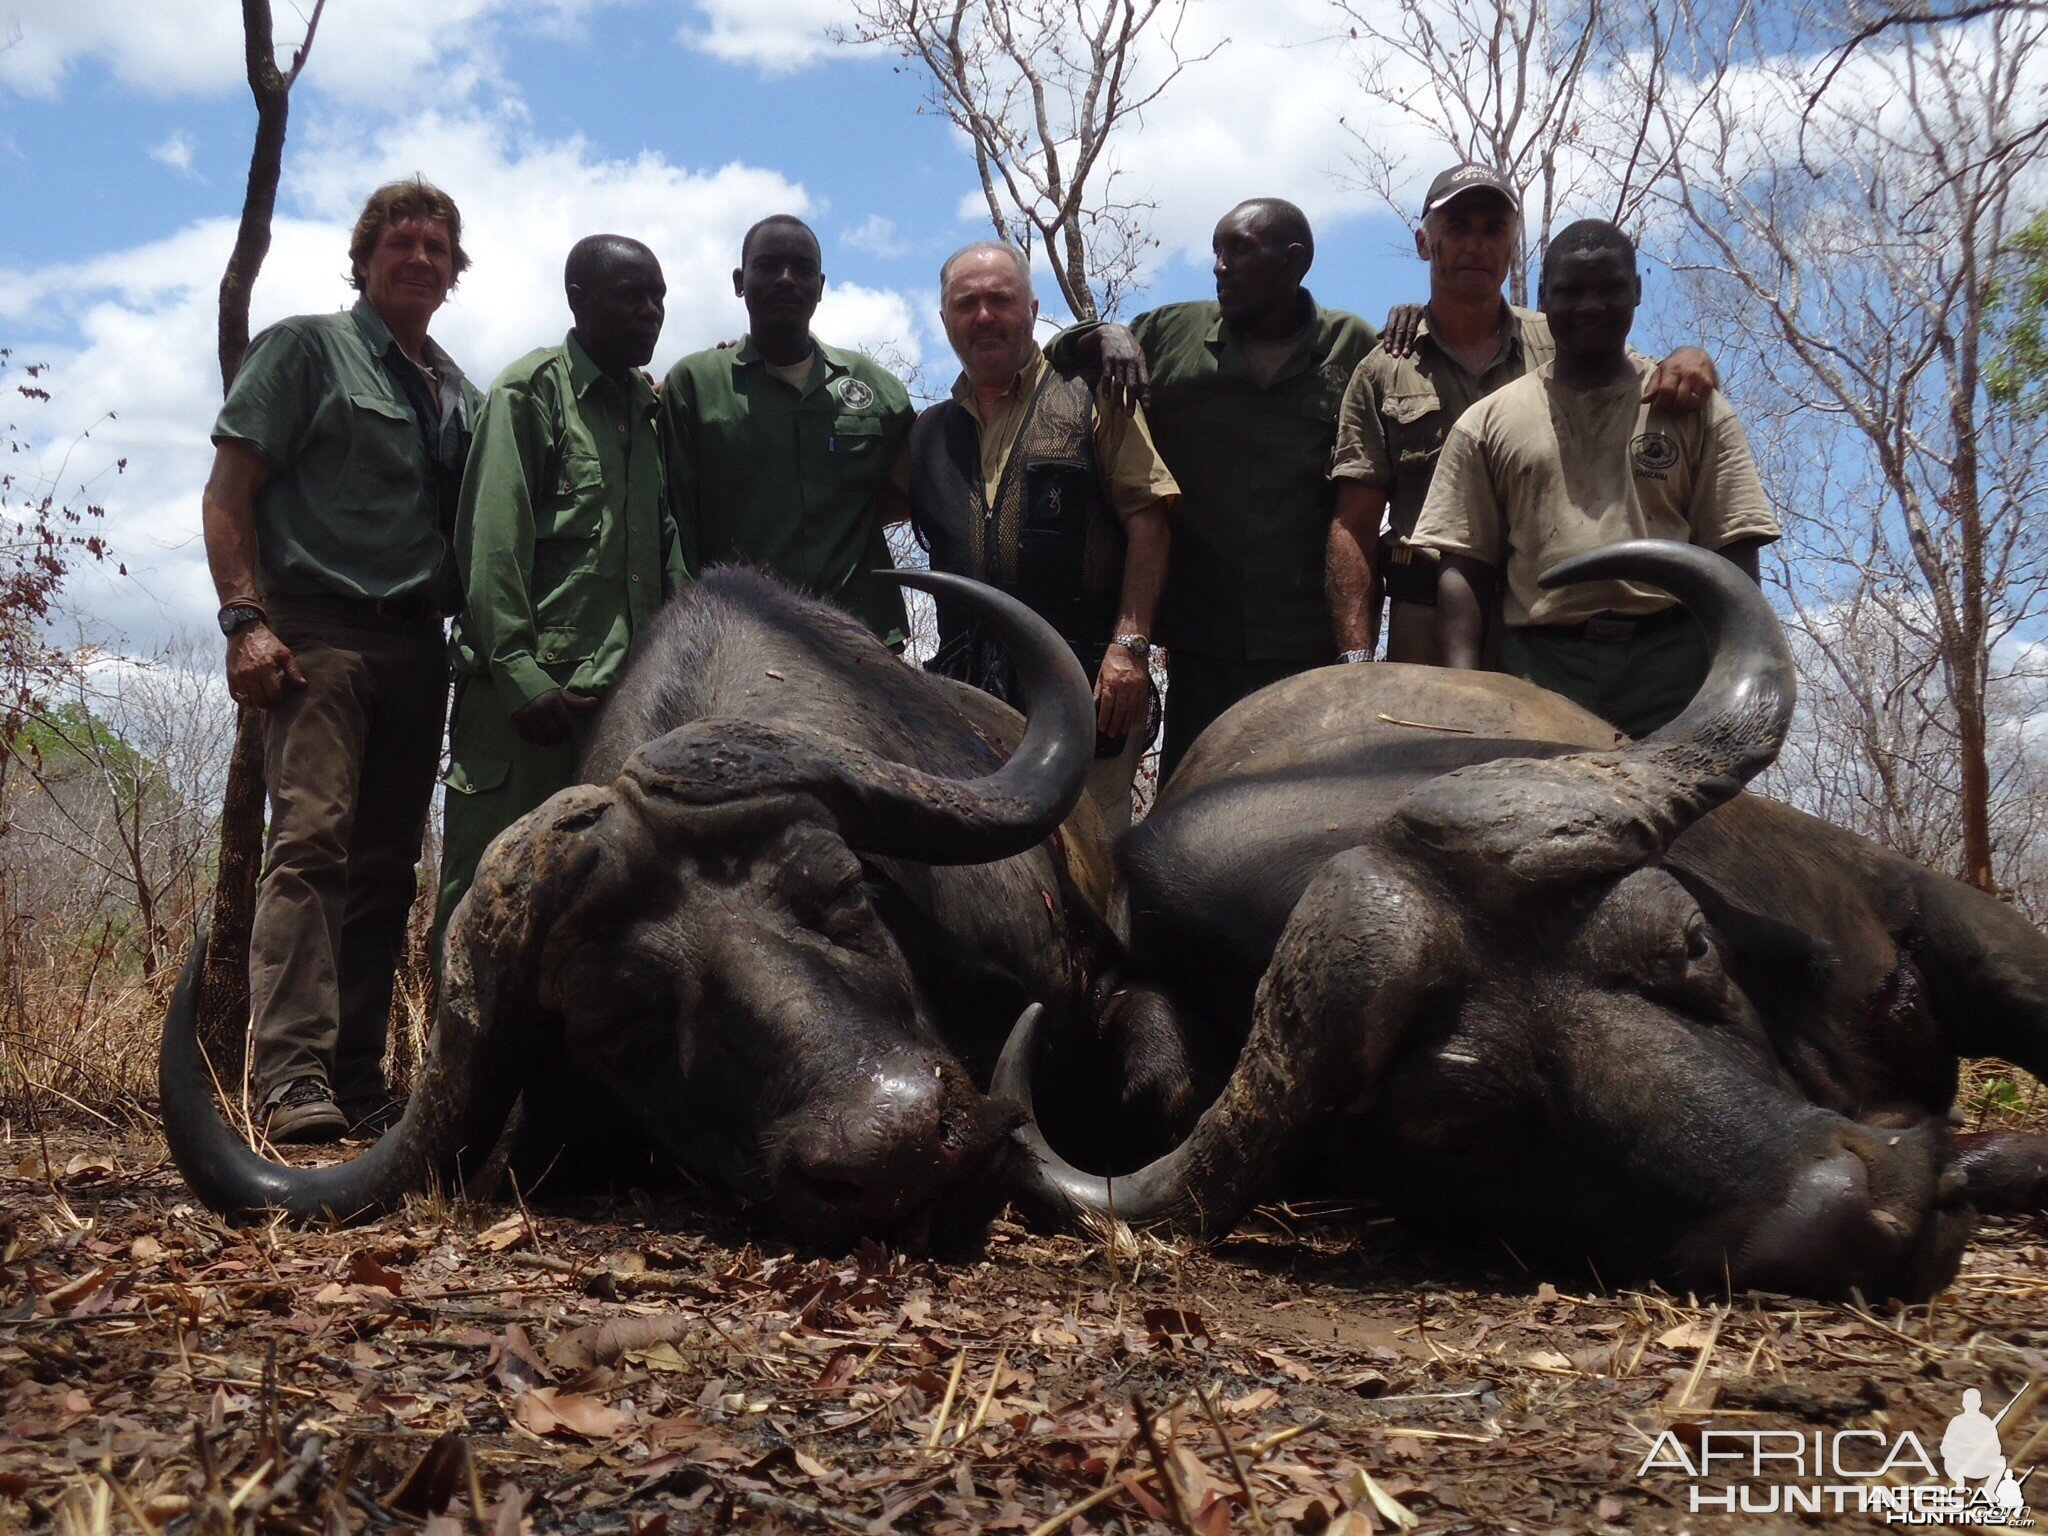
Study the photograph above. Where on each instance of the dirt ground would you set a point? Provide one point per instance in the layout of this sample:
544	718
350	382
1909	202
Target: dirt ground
640	1366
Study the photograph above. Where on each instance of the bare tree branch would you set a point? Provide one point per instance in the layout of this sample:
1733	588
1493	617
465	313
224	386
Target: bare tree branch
1042	89
224	998
1558	95
1852	257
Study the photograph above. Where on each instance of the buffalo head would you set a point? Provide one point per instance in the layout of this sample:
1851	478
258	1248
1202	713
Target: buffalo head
1523	1022
699	939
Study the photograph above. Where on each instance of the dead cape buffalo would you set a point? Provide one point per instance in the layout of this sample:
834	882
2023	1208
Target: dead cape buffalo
1539	984
775	937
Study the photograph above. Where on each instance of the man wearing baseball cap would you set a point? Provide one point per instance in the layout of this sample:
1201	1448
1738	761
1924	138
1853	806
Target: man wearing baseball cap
1405	395
1572	457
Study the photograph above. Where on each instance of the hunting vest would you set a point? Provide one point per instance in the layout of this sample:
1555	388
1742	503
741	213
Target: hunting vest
1049	538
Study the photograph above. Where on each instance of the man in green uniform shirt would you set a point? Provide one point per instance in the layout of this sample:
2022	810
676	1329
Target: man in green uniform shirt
566	551
1572	458
1243	405
780	449
335	462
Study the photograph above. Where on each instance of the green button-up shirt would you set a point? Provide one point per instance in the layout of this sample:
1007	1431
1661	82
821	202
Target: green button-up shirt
354	506
564	543
1245	580
794	480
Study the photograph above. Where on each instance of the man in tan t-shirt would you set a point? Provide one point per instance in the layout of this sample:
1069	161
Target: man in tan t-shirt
1570	458
1406	394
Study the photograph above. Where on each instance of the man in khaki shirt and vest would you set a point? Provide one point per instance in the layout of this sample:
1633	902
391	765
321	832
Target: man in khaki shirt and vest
1572	458
566	550
1032	480
1405	395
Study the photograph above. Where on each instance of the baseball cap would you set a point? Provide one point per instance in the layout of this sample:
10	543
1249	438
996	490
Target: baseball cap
1469	177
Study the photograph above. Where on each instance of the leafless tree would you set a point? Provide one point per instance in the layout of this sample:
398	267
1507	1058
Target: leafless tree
1850	251
105	825
1561	96
1041	89
224	1005
122	773
1865	23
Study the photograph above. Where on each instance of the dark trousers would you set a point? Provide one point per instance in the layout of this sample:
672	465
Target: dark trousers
1636	683
1199	688
349	764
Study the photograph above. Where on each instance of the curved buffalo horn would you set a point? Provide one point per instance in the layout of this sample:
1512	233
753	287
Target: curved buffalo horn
891	809
476	1060
1361	952
1593	814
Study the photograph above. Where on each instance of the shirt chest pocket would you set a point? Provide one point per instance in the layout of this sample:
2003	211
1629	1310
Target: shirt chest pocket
568	525
573	508
1415	428
386	467
854	439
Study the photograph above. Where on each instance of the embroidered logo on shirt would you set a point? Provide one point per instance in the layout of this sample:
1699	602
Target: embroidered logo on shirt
854	394
1655	454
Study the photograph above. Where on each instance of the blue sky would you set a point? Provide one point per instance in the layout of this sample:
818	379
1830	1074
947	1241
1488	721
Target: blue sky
125	130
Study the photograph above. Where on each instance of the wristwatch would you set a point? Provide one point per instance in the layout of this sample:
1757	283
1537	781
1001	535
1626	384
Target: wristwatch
236	617
1351	657
1139	647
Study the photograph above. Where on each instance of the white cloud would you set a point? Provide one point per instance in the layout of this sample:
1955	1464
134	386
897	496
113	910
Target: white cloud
1263	117
774	36
877	236
144	318
176	152
384	52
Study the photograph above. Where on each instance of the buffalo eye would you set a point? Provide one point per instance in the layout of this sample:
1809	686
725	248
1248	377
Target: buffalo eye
842	917
1696	982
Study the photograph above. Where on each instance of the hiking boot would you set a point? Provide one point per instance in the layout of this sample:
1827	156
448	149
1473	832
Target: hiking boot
371	1118
304	1114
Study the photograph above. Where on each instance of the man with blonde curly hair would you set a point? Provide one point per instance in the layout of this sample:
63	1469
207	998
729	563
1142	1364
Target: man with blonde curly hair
337	457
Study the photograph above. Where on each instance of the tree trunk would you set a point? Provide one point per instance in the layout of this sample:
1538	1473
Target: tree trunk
1973	666
224	990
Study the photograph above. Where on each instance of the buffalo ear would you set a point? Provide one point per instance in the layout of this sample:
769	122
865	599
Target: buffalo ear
1517	826
1513	826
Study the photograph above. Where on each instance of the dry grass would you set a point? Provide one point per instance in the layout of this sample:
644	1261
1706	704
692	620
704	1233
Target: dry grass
79	1024
78	1038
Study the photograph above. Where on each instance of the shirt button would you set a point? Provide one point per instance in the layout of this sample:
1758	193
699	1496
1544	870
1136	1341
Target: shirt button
636	576
549	656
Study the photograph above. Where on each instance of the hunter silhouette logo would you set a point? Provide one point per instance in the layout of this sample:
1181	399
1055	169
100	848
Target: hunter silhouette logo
1861	1471
1971	1453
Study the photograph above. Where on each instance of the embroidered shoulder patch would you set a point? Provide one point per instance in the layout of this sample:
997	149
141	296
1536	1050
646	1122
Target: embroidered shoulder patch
1654	453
